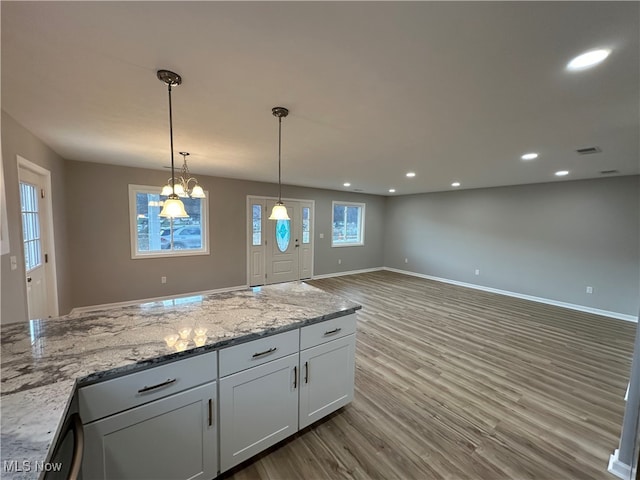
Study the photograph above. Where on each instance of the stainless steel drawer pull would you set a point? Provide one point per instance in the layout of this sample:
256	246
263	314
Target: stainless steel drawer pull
332	332
266	352
306	372
160	385
210	412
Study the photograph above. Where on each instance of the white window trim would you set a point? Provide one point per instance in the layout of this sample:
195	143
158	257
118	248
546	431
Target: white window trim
133	227
362	218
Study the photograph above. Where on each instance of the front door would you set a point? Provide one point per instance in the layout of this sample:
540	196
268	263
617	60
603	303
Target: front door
282	245
31	193
279	250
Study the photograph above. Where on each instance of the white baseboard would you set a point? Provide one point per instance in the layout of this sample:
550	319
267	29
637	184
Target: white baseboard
108	306
572	306
350	272
617	468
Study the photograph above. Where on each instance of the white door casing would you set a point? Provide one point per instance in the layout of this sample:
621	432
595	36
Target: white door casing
38	241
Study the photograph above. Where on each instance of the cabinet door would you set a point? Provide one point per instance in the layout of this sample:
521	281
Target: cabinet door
172	438
258	408
326	378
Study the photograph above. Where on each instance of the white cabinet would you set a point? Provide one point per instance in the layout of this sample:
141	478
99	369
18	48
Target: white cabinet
326	378
171	438
264	404
258	408
161	423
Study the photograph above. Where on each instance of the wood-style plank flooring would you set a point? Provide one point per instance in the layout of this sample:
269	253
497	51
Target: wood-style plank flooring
457	383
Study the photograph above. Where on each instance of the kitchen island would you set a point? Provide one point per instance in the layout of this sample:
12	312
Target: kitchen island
44	362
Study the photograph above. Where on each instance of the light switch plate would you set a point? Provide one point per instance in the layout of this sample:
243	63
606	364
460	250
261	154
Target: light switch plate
14	262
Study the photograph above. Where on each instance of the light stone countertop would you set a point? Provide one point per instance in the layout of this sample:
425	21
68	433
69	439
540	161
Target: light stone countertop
43	361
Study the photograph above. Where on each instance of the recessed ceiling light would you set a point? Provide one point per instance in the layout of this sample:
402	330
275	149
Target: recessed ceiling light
529	156
346	184
392	190
411	174
588	59
455	184
562	173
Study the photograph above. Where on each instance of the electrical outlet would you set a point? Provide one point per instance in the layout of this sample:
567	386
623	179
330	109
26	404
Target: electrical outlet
477	271
406	260
339	261
163	279
589	289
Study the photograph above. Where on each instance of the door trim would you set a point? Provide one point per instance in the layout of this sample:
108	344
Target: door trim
49	244
255	199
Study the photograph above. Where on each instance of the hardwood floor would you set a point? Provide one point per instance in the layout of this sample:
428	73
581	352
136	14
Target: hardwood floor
457	383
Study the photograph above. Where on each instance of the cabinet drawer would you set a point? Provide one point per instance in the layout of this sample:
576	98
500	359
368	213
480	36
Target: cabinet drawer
113	396
256	352
326	331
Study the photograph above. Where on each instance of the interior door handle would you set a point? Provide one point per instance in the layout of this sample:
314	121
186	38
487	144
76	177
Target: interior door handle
29	279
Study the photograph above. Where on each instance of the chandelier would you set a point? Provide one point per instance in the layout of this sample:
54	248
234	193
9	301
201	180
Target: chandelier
185	185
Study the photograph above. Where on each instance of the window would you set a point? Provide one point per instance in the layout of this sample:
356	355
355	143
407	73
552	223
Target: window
257	224
306	225
156	236
30	226
348	224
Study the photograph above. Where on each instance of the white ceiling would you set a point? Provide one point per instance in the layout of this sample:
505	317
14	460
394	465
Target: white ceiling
452	91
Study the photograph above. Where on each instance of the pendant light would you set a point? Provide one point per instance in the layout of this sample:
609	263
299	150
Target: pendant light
279	211
173	206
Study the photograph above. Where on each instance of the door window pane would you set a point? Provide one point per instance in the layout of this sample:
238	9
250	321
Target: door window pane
283	234
306	225
30	225
257	225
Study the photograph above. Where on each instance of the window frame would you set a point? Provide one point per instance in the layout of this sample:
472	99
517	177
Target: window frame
361	226
133	226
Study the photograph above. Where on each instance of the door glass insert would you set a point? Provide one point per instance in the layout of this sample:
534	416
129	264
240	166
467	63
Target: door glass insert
30	226
306	228
283	234
257	225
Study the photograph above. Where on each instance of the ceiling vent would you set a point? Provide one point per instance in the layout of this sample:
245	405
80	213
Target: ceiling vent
608	172
588	150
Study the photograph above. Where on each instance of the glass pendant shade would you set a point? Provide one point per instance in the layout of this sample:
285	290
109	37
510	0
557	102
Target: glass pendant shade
197	192
279	212
166	190
179	189
173	208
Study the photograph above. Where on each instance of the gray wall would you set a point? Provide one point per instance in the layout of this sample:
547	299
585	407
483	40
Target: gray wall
547	240
102	270
16	140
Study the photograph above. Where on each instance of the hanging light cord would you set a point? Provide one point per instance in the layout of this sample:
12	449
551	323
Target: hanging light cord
173	177
279	160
